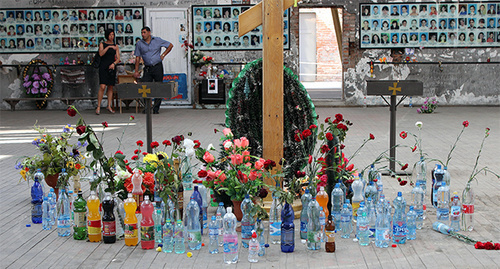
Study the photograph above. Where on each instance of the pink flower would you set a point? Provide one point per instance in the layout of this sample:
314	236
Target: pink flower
227	144
227	132
259	164
244	142
254	175
46	76
246	155
211	175
208	157
237	143
36	84
236	159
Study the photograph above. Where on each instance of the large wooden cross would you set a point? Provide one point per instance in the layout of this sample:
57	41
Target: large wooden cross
269	14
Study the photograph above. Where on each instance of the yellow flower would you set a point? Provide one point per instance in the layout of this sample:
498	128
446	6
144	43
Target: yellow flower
70	164
164	154
42	140
151	159
23	174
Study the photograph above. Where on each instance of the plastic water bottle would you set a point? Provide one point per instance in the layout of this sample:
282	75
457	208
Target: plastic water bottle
197	197
443	206
380	185
36	202
179	237
168	236
371	216
259	229
358	195
455	212
438	180
441	227
157	216
213	234
247	221
338	199
421	178
71	199
275	221
322	222
193	224
306	199
45	214
204	206
221	209
253	248
371	191
147	224
287	229
220	228
447	176
41	179
399	220
349	206
313	225
382	226
346	222
64	215
411	224
230	237
363	226
108	219
410	103
417	197
468	208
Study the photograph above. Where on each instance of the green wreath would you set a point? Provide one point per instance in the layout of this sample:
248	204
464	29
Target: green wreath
38	81
244	114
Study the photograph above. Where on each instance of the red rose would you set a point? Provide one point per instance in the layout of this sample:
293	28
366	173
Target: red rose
339	117
479	245
342	146
404	167
154	144
325	149
262	193
497	246
166	142
197	144
489	246
71	112
132	117
202	173
403	134
310	159
465	123
403	182
139	143
329	136
119	152
137	151
269	164
372	136
306	133
81	129
144	153
105	124
313	126
135	157
177	139
341	126
297	138
327	119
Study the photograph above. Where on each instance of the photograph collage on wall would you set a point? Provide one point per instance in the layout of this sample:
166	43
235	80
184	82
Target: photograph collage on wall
399	25
216	28
68	30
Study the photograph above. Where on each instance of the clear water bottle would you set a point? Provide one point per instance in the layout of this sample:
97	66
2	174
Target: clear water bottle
168	236
213	234
180	247
64	215
259	229
306	199
421	178
220	228
346	222
198	198
36	202
443	203
417	198
253	248
447	176
187	175
349	206
380	185
363	226
247	221
468	208
399	220
382	226
322	222
71	199
275	221
41	179
441	227
204	207
371	191
157	216
338	199
221	209
455	212
230	237
358	194
45	214
411	224
372	216
438	180
193	224
313	225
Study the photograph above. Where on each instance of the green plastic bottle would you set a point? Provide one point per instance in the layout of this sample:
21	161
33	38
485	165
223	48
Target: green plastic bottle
80	214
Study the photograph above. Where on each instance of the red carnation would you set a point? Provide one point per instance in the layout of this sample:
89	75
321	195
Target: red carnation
144	153
327	119
329	136
166	142
414	148
403	182
341	126
71	112
497	246
269	164
132	117
372	136
197	144
342	146
81	129
297	138
306	133
139	143
177	139
202	173
465	123
489	246
135	157
339	117
313	126
119	152
154	144
325	149
137	151
215	131
403	134
404	167
105	124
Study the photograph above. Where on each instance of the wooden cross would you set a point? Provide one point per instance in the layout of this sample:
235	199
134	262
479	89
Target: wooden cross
269	14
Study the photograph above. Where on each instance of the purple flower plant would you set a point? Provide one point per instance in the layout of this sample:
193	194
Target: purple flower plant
36	77
46	76
36	84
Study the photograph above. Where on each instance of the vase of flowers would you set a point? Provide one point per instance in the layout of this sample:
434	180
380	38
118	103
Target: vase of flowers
38	80
429	106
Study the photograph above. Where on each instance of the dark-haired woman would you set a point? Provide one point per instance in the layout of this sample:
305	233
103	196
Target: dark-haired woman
110	56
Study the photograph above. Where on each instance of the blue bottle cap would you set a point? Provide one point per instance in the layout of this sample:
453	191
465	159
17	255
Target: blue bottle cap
443	184
411	207
348	201
63	170
196	187
372	166
337	185
28	225
369	199
438	166
213	218
362	203
39	169
307	190
399	194
221	204
321	208
247	196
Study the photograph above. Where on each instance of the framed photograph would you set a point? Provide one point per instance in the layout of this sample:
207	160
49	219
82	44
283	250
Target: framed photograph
68	30
216	28
436	25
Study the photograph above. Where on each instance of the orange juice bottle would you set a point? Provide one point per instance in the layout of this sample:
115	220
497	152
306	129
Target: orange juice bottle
94	218
131	234
322	199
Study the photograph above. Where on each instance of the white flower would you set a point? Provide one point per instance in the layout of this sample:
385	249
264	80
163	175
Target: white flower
419	124
228	144
210	147
190	152
188	143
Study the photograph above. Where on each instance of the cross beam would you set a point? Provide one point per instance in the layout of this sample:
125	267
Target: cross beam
252	18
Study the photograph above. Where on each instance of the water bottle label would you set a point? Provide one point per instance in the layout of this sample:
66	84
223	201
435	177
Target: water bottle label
382	235
230	247
399	229
246	231
363	228
131	231
330	236
287	236
253	249
275	228
468	209
303	226
312	238
213	232
80	219
94	227
109	228
345	219
455	211
147	233
194	236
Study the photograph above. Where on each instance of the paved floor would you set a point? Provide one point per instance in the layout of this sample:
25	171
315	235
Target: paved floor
32	247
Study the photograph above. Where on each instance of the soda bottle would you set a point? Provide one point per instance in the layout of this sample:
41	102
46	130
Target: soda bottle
443	206
197	197
253	248
108	219
455	212
275	221
230	238
372	217
358	195
41	179
193	224
147	224
247	221
382	226
346	222
45	214
157	216
137	187
213	234
313	226
399	220
411	224
438	180
168	236
93	218
363	226
36	202
64	215
221	212
131	236
53	206
259	229
80	217
306	199
322	199
417	194
287	229
179	238
468	208
338	199
322	222
330	235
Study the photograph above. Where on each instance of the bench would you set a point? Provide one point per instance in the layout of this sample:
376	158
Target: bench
68	100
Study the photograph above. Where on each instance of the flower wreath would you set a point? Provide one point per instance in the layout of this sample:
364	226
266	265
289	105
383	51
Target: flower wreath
38	83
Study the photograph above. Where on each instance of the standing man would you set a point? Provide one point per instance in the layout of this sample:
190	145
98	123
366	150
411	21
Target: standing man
149	49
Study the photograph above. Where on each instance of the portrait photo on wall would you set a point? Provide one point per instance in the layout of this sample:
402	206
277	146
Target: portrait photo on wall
68	30
442	25
216	28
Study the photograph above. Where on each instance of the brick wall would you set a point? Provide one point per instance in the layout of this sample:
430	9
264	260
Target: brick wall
350	45
329	66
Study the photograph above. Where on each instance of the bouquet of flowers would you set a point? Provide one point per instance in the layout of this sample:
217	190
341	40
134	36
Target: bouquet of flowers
199	59
37	82
430	104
